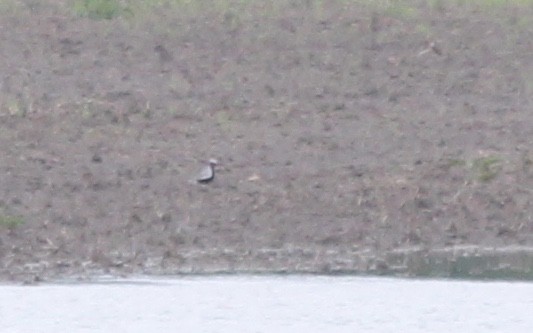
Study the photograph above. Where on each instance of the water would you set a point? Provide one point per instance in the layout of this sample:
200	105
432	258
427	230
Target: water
269	304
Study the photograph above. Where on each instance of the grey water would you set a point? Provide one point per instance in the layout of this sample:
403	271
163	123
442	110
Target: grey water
268	304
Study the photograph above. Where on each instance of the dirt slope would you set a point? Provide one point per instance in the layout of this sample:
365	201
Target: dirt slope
341	130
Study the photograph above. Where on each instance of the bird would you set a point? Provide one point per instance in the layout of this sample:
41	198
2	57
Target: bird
207	174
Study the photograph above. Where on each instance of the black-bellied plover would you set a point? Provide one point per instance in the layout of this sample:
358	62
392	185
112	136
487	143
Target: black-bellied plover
208	172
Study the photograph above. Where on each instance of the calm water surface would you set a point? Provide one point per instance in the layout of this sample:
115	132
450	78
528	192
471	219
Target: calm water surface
269	304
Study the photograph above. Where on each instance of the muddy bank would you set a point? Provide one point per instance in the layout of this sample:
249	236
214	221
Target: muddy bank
345	133
462	262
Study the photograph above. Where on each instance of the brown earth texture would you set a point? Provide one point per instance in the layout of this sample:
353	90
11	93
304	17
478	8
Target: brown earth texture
350	135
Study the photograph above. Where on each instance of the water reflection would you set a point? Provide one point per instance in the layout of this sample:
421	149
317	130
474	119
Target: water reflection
268	304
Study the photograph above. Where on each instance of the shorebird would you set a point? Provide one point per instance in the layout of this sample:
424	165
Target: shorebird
208	172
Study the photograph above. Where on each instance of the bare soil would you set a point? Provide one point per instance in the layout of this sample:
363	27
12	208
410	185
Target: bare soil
344	133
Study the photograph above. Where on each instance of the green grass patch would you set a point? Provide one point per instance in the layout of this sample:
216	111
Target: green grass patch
100	9
146	9
400	10
503	3
10	222
487	168
224	121
10	7
453	162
